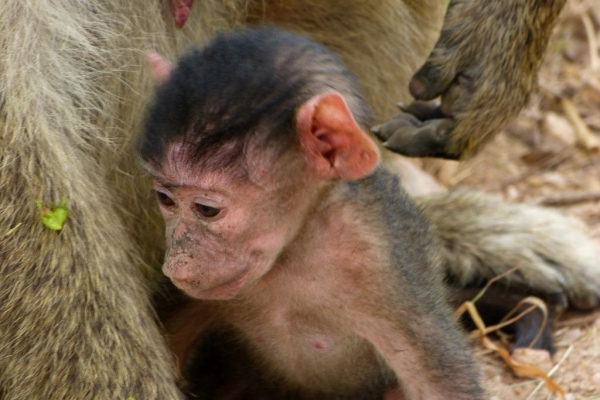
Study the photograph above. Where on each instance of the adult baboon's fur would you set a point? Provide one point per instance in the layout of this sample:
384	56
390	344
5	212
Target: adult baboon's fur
75	320
481	235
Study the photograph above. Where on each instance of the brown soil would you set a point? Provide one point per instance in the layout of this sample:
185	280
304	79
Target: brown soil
551	155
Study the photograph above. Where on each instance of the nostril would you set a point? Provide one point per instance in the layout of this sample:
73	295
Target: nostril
179	282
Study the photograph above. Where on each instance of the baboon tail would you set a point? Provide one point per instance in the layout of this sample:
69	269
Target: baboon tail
483	236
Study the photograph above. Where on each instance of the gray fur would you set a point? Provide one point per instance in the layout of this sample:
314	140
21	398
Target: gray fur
484	236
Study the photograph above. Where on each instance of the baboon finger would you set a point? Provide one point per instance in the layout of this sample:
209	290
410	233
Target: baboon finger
460	94
387	129
430	81
423	110
428	139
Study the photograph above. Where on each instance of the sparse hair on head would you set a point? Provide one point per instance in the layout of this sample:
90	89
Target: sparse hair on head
244	86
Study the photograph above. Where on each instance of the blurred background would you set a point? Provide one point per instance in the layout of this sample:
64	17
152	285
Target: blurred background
550	155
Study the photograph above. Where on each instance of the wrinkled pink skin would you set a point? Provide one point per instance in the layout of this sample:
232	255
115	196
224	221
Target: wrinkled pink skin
215	257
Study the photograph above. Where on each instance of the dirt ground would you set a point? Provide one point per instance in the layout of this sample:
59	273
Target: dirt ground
551	155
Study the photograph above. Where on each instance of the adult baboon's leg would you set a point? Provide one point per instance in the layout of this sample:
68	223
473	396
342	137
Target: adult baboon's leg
75	321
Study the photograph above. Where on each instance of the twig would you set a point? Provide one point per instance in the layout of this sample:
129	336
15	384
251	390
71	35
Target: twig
494	279
583	320
592	41
585	137
552	371
550	164
569	198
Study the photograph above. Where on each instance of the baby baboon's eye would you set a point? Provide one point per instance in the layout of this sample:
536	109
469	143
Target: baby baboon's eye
207	211
164	199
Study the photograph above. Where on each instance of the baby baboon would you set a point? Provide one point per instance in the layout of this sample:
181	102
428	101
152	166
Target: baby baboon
298	244
263	239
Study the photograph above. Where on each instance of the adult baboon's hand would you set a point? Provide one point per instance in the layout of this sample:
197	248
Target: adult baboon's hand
483	66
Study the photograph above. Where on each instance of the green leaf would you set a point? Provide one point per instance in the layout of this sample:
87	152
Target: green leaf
53	217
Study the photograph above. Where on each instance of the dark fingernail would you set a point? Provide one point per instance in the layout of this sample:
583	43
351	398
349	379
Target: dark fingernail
417	88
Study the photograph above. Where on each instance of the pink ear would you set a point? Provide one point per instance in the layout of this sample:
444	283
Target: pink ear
159	67
332	140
